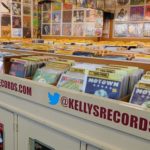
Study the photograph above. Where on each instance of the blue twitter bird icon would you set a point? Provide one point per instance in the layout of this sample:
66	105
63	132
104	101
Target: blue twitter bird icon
53	99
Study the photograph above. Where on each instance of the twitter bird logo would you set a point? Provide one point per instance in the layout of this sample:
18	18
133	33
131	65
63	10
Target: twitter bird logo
53	99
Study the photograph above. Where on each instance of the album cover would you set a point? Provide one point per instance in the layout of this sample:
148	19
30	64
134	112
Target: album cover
67	16
26	32
82	3
99	19
56	6
100	4
102	87
16	9
46	17
147	12
26	10
6	31
90	29
56	16
122	14
27	1
146	30
140	96
66	29
137	13
27	21
67	6
92	4
71	82
121	30
91	15
17	32
16	22
122	3
78	30
135	30
46	6
137	2
78	16
56	29
46	29
5	6
5	20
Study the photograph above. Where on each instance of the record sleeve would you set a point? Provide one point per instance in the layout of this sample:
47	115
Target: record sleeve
135	30
56	29
92	4
78	30
72	82
16	21
67	6
46	17
46	7
46	29
56	6
5	20
147	12
82	3
78	15
67	16
100	4
5	6
146	30
91	15
121	30
16	9
137	13
122	14
103	87
26	10
90	29
17	32
66	29
56	16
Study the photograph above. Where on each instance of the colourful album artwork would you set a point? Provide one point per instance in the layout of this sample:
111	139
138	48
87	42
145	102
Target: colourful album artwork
5	20
137	2
46	7
16	32
16	9
78	16
147	12
26	32
67	6
67	16
121	30
56	29
90	29
46	29
146	31
82	3
56	6
135	30
6	31
92	4
26	21
122	14
26	9
46	17
91	15
66	29
56	16
98	32
16	21
99	19
78	30
137	13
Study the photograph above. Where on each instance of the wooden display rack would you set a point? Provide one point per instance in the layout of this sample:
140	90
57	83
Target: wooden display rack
77	122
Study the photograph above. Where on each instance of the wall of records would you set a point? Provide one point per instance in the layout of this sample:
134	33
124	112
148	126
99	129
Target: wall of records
132	19
67	19
15	18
